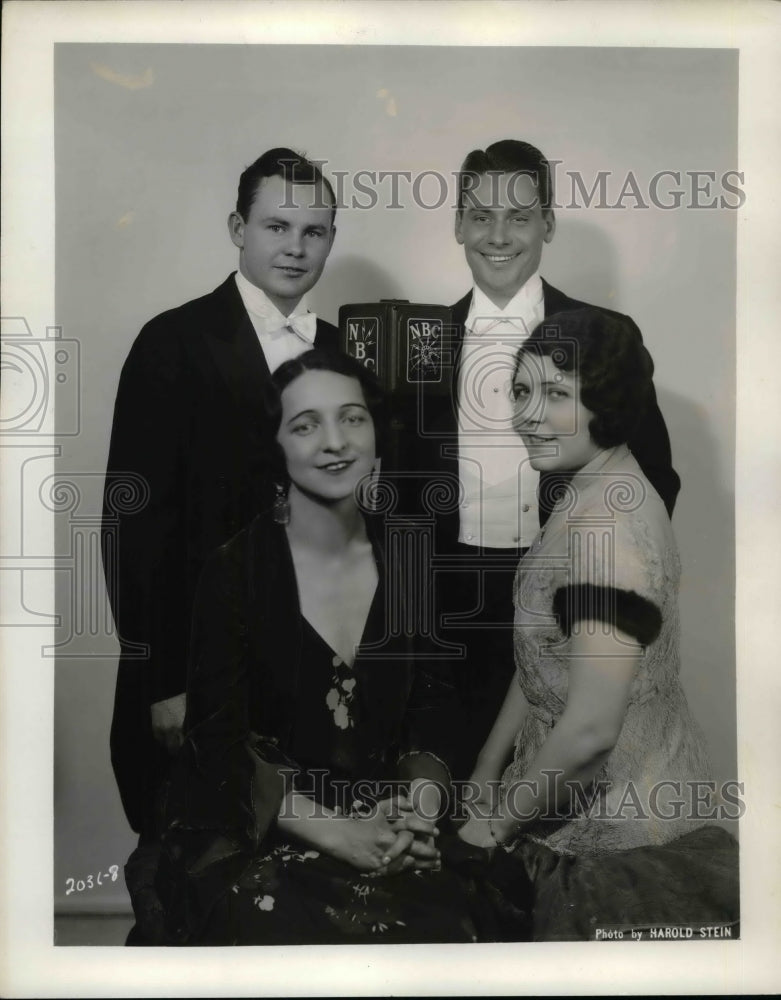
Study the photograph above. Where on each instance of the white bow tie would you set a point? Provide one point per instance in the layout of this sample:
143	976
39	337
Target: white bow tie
499	324
304	326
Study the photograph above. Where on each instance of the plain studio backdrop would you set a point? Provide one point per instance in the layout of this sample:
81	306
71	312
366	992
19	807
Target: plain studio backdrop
149	144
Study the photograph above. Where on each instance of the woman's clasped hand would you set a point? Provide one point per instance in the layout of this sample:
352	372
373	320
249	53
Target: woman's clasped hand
382	839
481	831
405	840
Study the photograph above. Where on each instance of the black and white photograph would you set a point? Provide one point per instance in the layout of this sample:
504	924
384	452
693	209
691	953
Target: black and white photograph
388	506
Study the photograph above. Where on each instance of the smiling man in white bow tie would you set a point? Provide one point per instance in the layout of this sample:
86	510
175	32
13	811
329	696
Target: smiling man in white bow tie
189	432
504	219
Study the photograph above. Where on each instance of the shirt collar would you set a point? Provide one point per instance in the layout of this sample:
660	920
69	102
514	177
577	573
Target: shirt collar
521	305
260	306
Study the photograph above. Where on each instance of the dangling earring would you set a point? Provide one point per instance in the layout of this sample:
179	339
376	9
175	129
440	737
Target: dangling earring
280	510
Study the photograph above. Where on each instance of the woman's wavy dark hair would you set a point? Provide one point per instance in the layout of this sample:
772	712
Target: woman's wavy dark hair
319	360
606	351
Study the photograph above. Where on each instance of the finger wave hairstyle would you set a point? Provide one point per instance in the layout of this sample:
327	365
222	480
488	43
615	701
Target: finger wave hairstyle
605	350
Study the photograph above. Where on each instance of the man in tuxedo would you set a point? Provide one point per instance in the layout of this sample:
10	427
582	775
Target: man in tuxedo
504	219
189	440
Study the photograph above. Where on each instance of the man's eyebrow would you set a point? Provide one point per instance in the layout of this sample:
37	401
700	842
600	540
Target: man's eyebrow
276	220
510	209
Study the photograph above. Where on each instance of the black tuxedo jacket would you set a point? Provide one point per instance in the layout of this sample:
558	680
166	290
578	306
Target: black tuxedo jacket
435	444
190	435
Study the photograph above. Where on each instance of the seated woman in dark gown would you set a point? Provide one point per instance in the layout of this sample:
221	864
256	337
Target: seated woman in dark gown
597	701
303	703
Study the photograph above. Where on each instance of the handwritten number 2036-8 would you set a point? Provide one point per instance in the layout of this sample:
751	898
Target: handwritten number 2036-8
79	885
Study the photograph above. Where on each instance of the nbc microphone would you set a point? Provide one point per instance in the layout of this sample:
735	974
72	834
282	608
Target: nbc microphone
407	347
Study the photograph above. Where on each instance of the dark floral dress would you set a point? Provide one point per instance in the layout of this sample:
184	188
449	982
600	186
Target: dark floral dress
228	875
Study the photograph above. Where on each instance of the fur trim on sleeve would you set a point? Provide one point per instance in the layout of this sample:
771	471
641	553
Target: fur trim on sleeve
624	609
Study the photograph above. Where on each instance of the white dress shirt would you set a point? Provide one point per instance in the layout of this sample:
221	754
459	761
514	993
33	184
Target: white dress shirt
281	337
499	508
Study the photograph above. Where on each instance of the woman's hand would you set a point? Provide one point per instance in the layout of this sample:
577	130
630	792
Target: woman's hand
414	818
477	831
425	798
368	843
389	839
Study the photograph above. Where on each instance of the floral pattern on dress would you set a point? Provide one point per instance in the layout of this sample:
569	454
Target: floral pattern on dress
375	914
342	694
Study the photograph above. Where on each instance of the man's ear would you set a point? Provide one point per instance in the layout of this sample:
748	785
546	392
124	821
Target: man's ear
331	238
550	224
236	229
459	234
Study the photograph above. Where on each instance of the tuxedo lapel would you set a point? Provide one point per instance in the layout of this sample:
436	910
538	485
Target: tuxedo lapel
326	336
234	345
555	301
460	310
458	315
439	452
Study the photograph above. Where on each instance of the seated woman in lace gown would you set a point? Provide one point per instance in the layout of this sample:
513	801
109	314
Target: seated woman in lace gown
303	702
605	808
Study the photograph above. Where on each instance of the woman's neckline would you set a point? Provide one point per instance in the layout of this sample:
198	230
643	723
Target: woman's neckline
335	653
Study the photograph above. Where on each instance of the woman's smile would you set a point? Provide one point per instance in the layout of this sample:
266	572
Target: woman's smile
334	468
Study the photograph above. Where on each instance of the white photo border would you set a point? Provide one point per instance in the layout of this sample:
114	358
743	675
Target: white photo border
30	965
